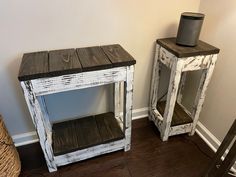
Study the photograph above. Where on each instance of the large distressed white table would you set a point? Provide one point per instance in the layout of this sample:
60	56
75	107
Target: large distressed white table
43	73
170	116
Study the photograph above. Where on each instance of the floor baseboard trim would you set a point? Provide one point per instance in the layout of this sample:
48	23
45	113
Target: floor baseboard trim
140	113
31	137
207	136
25	138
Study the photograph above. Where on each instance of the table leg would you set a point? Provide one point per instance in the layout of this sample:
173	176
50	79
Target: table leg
171	98
117	101
128	103
42	126
181	87
201	93
44	111
155	82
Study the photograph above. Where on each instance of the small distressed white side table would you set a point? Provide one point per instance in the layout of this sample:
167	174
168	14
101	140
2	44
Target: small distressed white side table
43	73
170	116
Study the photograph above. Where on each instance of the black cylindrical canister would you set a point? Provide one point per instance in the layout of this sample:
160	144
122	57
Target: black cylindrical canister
189	28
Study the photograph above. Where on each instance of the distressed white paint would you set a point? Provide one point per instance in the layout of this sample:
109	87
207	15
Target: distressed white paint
181	87
117	103
88	153
156	121
201	93
171	98
180	129
35	89
196	62
154	82
178	67
128	106
120	122
44	110
157	114
40	124
166	57
43	86
116	93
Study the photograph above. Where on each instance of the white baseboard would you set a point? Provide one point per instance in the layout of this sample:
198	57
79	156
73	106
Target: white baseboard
31	137
207	136
139	113
25	138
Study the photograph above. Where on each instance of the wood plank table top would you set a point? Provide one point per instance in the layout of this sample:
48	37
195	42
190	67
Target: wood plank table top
184	51
69	61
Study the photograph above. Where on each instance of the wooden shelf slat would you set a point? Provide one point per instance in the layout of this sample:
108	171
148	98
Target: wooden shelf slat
85	132
108	127
180	117
64	137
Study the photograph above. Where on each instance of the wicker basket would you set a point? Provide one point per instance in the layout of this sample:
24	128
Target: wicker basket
10	165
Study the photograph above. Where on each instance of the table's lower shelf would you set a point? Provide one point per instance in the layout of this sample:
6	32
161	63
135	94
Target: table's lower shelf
180	117
85	132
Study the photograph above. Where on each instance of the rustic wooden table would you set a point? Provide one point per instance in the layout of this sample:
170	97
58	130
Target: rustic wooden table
171	117
43	73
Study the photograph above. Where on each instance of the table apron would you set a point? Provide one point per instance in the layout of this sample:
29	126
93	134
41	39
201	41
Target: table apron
44	86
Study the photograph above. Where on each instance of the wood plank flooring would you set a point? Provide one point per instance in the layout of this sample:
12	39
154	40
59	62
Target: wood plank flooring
180	156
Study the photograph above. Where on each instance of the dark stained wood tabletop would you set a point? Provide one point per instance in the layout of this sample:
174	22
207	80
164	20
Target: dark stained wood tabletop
35	64
184	51
68	61
63	60
117	55
93	58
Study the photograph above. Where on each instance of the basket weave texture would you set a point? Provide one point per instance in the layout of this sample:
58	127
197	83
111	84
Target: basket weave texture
10	165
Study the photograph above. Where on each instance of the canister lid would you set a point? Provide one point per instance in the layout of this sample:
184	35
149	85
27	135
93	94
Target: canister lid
193	15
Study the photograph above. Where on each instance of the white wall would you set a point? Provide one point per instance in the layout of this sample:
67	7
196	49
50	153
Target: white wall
219	109
30	25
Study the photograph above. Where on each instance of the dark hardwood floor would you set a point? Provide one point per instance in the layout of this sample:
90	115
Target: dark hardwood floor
180	156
